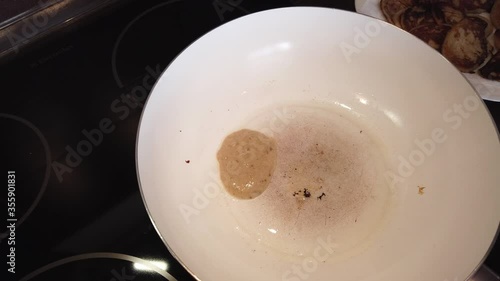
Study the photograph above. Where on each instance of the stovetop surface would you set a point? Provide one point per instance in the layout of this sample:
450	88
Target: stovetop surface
79	212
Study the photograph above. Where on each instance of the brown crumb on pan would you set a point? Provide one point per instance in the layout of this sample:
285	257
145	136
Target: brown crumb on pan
421	190
321	196
188	161
307	194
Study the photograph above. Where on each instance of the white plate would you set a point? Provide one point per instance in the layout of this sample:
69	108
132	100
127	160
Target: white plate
487	89
266	71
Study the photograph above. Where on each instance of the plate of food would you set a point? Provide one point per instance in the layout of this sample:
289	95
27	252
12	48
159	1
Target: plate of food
305	144
466	32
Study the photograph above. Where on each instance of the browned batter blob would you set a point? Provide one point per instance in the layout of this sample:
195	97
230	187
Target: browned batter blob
246	161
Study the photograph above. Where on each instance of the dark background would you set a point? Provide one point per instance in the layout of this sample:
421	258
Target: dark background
65	81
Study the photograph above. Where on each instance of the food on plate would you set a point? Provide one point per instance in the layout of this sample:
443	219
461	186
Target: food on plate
466	32
492	69
489	29
391	8
495	15
496	39
247	160
476	6
432	34
415	16
397	18
465	44
445	13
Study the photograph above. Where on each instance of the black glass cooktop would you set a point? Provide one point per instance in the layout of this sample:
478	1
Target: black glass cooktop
69	116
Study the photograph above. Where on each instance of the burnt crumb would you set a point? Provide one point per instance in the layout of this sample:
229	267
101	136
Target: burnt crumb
307	194
304	192
321	196
360	131
188	161
295	169
180	131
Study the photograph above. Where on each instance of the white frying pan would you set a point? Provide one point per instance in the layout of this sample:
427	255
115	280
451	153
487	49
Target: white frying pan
418	154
